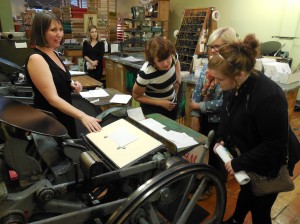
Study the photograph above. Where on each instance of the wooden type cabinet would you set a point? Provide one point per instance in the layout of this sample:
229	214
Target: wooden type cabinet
115	75
196	24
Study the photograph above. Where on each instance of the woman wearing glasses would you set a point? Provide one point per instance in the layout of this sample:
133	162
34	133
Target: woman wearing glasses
207	99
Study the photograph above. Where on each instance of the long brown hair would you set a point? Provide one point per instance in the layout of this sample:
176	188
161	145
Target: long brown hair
158	47
88	33
40	25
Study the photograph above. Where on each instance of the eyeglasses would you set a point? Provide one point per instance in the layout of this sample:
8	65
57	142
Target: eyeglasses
214	47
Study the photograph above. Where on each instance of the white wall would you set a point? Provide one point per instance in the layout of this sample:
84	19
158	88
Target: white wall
265	18
17	7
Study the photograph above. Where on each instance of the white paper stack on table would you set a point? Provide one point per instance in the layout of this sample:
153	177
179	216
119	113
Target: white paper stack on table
279	72
120	98
94	93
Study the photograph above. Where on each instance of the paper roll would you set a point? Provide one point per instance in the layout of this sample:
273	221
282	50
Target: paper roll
241	176
223	153
215	15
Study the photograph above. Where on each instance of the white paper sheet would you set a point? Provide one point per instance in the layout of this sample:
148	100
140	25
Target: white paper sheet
114	48
21	45
132	59
94	93
74	73
180	139
152	124
122	138
136	114
120	98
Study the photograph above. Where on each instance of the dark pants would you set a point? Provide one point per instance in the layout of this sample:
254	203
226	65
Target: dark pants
151	109
260	207
96	73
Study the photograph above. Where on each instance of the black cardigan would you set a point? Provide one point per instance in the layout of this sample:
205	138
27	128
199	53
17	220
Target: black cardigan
256	122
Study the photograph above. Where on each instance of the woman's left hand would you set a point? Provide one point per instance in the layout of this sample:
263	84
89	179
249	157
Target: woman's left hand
76	86
91	123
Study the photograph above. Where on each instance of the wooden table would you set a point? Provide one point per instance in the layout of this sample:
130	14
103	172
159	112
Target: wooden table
87	82
104	102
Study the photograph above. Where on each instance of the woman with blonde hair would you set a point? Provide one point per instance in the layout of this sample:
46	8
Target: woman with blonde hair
254	125
206	103
92	52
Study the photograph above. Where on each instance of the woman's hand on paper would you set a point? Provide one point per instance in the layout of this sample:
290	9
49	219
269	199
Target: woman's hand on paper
91	123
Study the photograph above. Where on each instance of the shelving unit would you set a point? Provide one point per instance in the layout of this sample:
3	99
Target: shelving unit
147	21
194	23
150	27
121	26
106	11
160	13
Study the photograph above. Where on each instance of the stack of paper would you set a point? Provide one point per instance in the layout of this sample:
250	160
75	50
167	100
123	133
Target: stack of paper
94	93
120	98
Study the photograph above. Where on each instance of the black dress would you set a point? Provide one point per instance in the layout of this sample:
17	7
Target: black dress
94	53
62	81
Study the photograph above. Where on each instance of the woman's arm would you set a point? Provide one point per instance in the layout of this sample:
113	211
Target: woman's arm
86	57
269	124
100	50
178	76
199	85
41	77
138	95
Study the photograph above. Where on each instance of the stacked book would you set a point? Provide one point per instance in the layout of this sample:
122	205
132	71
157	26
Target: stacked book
77	22
66	16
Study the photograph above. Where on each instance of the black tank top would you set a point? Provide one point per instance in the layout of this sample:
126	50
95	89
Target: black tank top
62	81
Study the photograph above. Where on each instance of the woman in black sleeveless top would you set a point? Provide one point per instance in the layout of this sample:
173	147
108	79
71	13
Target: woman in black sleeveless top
92	52
50	79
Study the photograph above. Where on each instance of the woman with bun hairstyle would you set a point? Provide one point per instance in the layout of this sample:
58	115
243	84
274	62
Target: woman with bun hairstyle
254	123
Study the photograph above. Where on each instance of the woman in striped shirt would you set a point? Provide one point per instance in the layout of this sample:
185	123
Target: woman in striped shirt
159	79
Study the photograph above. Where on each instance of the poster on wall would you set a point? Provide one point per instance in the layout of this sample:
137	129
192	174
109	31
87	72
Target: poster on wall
88	20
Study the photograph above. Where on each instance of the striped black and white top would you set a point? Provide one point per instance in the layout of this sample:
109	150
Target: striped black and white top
158	83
